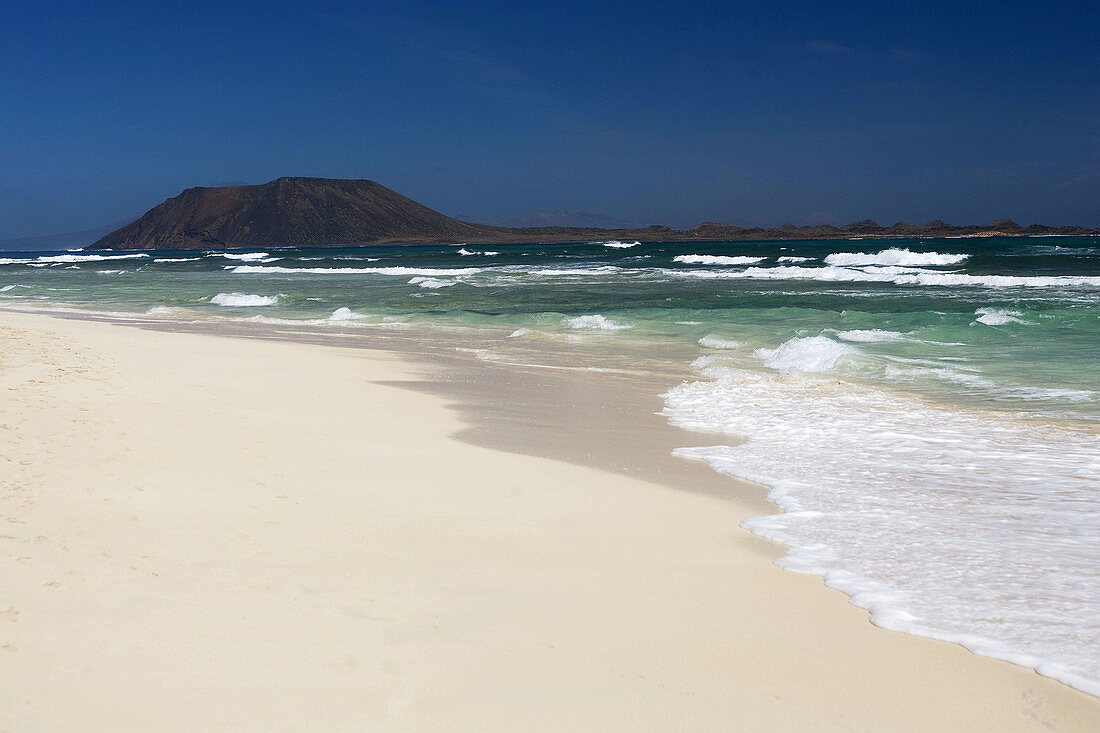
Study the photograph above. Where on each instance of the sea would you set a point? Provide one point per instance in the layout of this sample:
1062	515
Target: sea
925	413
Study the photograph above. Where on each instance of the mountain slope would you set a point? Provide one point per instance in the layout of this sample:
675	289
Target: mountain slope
289	212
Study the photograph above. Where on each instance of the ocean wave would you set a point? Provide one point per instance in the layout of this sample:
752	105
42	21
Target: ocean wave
616	244
894	256
717	259
431	283
597	322
872	335
865	476
791	258
177	259
896	275
998	317
243	300
466	253
716	342
245	257
806	354
399	271
66	259
344	314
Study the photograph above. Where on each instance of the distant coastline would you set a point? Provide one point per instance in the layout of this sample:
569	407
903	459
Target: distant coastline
320	212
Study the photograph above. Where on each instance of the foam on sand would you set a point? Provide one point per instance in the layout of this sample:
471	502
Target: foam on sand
243	300
971	526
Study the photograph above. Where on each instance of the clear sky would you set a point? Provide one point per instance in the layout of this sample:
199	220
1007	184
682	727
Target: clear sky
644	112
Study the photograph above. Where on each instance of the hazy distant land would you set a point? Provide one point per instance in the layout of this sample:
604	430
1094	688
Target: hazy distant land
303	212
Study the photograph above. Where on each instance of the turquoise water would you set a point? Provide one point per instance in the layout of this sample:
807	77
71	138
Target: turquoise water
1011	323
925	411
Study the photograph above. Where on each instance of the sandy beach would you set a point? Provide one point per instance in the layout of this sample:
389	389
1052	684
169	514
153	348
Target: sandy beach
210	533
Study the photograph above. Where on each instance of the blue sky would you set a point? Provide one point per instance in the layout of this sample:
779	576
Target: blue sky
674	113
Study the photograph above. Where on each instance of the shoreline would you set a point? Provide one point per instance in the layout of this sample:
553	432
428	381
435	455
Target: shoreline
590	526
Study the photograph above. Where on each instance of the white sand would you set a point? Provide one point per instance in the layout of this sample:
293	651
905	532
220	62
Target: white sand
202	533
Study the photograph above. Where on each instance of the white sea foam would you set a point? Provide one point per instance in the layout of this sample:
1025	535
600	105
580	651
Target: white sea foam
616	244
245	257
399	271
717	259
717	342
970	526
66	259
998	316
90	258
177	259
894	256
871	335
466	253
597	322
344	314
789	258
243	300
431	283
897	275
519	332
807	354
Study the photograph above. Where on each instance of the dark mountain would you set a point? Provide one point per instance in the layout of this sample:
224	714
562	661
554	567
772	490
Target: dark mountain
303	212
289	212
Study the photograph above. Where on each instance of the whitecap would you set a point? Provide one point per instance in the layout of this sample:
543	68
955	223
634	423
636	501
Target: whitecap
344	314
998	317
431	283
245	257
597	322
806	354
243	300
398	271
894	256
870	335
717	259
